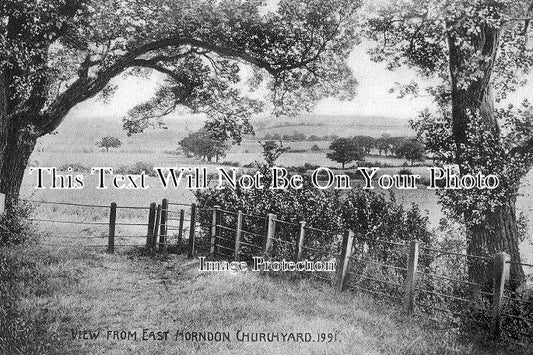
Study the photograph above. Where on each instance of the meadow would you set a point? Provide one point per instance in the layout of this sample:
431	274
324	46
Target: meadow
65	287
74	145
65	291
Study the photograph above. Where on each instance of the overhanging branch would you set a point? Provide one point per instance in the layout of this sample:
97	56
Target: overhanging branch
87	87
152	64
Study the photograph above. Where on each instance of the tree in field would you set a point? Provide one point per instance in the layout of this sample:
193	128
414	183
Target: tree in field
55	54
205	145
109	142
272	151
412	150
345	150
395	143
383	144
365	142
478	50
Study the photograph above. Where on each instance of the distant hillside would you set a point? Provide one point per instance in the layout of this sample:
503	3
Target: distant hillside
342	126
81	132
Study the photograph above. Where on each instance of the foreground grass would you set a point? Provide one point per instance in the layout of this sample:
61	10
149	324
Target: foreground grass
31	314
92	291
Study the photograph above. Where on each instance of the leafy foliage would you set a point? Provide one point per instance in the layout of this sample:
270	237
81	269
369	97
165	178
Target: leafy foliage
212	55
369	214
432	36
204	144
109	142
136	169
345	150
412	150
200	47
476	52
15	228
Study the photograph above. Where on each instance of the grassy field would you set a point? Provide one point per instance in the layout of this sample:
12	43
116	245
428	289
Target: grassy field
75	144
77	290
84	289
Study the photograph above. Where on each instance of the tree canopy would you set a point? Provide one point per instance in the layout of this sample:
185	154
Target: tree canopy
411	149
478	52
81	45
109	142
58	53
345	150
204	144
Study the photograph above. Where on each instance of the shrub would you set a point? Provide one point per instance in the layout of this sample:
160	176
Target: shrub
318	208
17	277
15	228
309	166
405	172
376	164
136	169
302	169
75	167
231	163
381	226
172	152
370	214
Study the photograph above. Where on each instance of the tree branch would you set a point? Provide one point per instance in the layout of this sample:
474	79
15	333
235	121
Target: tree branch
152	64
524	148
86	87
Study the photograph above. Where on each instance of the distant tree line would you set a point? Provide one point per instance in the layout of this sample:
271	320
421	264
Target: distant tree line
345	150
385	145
205	145
298	137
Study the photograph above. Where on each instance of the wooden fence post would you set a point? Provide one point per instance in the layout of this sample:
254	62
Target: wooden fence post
156	227
112	225
192	234
300	243
238	233
271	232
214	224
410	279
344	259
163	225
151	221
180	230
501	273
265	229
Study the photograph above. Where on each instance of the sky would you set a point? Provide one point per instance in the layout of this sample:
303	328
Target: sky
373	98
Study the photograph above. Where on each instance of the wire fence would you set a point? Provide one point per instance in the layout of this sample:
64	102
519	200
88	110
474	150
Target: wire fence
87	225
441	285
432	283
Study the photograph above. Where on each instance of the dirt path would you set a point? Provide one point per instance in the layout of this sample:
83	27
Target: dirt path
132	295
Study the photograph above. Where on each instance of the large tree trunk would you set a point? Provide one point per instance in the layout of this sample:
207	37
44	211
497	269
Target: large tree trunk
498	232
3	118
20	144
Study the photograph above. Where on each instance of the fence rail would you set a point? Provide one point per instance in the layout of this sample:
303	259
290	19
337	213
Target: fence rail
406	272
415	282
